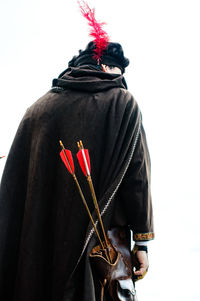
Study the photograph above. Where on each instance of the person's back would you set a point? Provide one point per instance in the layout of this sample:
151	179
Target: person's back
45	231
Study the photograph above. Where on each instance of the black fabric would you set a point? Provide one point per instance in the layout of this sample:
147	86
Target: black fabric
43	224
142	248
113	55
108	60
117	80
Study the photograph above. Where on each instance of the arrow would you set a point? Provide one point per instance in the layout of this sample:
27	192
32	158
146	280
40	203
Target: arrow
2	157
67	158
84	161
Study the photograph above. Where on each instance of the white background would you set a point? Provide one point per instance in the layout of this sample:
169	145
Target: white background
161	39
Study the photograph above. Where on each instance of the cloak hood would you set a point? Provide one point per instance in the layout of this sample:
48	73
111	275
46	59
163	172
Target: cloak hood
88	78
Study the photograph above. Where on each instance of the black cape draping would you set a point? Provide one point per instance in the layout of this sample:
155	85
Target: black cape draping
44	229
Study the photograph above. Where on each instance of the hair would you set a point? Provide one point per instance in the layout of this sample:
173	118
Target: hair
113	56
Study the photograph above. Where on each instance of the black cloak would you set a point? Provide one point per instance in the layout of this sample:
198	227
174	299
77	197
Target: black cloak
45	233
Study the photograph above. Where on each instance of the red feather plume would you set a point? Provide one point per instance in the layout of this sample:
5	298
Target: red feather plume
101	38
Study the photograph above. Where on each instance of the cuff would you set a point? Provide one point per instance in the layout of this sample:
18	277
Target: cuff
143	236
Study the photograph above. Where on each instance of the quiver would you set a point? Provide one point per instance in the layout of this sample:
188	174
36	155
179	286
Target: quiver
116	277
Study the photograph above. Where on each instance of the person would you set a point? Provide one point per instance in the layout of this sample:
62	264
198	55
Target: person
45	233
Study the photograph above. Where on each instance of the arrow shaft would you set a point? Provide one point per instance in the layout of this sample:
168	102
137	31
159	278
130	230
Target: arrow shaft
97	210
88	210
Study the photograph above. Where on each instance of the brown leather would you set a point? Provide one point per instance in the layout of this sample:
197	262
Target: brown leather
120	241
116	276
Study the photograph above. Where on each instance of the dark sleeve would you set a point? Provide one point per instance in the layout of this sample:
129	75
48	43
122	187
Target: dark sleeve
135	192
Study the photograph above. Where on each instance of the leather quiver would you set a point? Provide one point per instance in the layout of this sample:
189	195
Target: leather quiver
117	276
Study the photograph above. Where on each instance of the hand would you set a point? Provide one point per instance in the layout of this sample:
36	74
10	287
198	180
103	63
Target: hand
141	264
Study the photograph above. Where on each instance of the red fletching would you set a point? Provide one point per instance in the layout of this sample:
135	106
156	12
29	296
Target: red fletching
70	159
81	160
2	157
101	38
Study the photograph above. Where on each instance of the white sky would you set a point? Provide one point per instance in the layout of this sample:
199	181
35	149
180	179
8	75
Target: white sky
161	39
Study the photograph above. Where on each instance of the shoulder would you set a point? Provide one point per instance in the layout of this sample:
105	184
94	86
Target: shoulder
45	105
127	98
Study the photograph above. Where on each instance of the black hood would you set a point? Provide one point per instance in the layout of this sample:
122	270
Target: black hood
88	78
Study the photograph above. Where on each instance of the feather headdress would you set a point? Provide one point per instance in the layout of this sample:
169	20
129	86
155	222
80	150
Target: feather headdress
100	36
